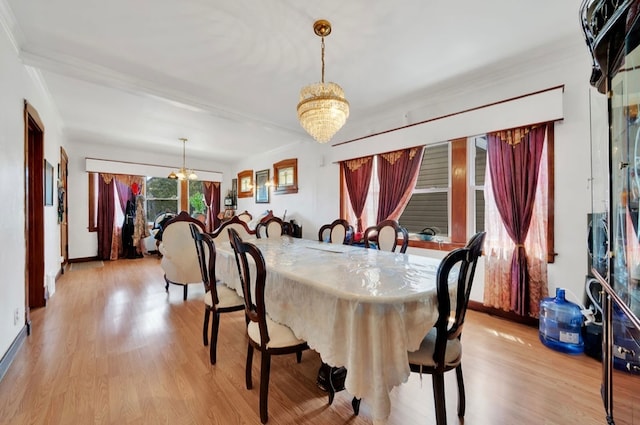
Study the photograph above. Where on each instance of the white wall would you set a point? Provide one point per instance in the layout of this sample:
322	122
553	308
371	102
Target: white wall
569	66
82	243
16	84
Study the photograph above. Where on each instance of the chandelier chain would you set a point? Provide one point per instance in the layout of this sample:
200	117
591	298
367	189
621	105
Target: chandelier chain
322	48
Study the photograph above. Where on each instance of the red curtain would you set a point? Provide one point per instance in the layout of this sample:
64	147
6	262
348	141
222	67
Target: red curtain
514	161
397	172
357	177
211	191
106	209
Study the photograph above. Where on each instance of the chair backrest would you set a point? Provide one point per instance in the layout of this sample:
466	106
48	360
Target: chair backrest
179	257
385	235
221	235
206	250
463	261
273	227
339	231
252	290
245	216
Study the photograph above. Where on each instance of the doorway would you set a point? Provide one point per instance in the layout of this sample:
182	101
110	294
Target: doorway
34	209
62	208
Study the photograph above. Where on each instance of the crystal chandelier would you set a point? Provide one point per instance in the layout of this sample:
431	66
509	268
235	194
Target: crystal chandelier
322	110
183	173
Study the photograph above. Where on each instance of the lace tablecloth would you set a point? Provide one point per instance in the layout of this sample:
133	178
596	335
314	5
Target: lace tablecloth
359	308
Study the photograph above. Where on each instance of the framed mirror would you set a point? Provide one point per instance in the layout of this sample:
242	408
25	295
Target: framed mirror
285	176
245	184
262	187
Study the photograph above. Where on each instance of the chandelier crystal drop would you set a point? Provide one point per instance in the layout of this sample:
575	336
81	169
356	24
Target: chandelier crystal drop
322	109
183	173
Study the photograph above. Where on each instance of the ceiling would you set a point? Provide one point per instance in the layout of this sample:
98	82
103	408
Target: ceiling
227	74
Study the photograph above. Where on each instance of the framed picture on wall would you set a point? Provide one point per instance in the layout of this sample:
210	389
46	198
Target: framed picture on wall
262	188
48	183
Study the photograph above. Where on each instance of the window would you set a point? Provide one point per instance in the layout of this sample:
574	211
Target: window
449	194
429	204
196	198
479	144
162	196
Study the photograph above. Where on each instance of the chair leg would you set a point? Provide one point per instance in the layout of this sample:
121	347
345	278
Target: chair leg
439	398
214	337
331	390
184	294
461	396
264	386
249	366
355	403
205	326
298	356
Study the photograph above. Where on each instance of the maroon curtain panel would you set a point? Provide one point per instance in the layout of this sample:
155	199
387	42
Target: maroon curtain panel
397	173
357	177
514	162
106	210
211	191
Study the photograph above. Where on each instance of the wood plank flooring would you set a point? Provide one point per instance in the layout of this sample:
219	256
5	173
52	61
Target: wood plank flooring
112	347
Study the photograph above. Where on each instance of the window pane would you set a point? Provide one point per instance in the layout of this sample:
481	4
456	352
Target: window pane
434	170
479	210
162	188
480	160
162	196
196	198
427	210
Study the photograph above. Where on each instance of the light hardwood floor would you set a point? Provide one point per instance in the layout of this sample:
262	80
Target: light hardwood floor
112	347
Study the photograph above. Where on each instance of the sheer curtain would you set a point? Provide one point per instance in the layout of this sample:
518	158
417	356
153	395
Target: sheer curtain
516	220
357	177
397	173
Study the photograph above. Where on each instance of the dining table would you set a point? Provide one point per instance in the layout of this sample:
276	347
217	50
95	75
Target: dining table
360	308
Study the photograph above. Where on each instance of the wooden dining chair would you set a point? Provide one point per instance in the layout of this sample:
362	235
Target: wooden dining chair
265	335
273	227
385	236
218	298
339	231
441	349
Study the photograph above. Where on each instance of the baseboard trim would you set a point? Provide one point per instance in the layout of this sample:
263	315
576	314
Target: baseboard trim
83	259
509	315
7	359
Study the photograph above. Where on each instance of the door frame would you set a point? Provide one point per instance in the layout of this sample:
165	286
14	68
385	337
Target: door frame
34	211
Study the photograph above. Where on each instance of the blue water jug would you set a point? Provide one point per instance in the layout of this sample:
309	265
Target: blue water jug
561	324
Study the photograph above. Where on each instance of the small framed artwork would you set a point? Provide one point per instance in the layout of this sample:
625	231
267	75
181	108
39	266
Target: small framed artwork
245	183
48	183
285	176
262	187
228	213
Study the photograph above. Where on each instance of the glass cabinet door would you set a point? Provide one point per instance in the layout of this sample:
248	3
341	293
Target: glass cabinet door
624	279
625	180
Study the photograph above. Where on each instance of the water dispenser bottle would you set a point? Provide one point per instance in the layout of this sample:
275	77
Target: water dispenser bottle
561	324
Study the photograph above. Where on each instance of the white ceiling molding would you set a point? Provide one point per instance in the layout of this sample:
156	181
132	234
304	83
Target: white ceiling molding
10	25
96	74
93	165
542	106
